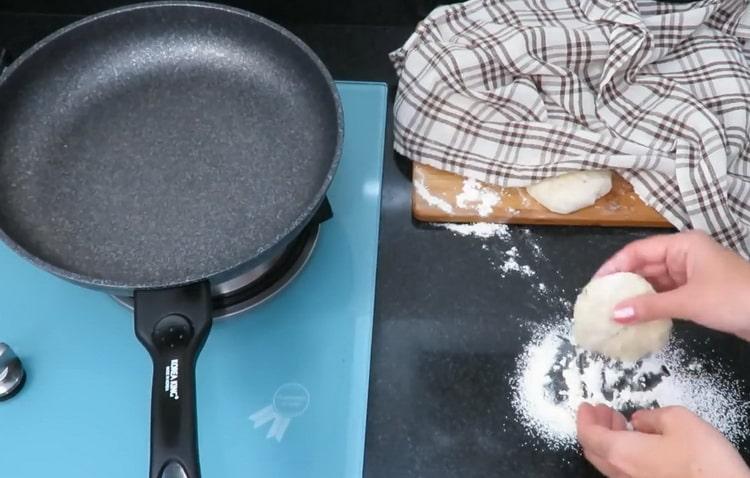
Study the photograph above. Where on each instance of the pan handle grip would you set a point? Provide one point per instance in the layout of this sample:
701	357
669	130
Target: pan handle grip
173	325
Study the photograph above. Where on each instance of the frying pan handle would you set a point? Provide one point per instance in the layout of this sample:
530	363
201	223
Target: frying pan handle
173	325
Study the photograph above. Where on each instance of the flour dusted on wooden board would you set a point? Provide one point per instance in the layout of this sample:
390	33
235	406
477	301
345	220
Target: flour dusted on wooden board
432	200
554	377
474	195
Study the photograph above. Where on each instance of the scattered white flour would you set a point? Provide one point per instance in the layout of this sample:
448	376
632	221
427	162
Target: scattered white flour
695	366
537	249
431	199
554	377
480	229
484	230
511	264
568	305
477	197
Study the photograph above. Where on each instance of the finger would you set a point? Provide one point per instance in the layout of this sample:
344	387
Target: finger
609	418
614	453
618	421
658	275
658	420
594	437
661	283
603	415
655	270
586	414
664	305
618	453
645	421
637	254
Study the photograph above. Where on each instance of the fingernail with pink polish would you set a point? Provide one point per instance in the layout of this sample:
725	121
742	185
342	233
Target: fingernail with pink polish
625	314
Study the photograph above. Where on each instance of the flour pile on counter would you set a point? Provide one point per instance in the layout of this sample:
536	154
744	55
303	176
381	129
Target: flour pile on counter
509	256
483	230
554	377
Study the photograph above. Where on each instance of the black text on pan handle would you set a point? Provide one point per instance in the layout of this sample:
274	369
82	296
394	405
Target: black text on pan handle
173	325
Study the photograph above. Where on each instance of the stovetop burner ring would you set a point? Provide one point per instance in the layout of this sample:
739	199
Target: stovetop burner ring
260	283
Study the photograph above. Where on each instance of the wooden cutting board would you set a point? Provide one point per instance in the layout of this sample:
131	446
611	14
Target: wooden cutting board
436	196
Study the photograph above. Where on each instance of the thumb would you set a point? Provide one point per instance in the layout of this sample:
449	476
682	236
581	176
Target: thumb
664	305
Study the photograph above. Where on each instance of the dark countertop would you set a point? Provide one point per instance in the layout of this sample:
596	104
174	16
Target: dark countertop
448	326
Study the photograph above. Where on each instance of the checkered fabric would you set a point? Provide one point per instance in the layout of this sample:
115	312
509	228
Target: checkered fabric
510	92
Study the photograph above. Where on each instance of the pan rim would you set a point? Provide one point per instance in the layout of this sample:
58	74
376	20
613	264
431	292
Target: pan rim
263	251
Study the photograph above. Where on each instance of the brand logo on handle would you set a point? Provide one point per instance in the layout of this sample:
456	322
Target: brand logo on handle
171	379
290	400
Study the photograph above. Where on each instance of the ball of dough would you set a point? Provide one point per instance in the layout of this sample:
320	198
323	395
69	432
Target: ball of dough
594	329
571	191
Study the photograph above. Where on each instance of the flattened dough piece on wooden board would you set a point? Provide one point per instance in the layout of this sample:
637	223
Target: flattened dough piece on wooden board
571	192
621	207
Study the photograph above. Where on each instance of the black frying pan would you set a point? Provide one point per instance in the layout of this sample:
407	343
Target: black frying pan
154	149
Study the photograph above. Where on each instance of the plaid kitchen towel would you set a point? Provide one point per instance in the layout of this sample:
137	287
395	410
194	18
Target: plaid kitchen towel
512	91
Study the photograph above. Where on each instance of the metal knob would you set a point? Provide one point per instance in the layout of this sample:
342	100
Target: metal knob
12	375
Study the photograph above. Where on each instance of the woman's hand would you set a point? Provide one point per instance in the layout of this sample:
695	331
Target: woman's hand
667	442
696	279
